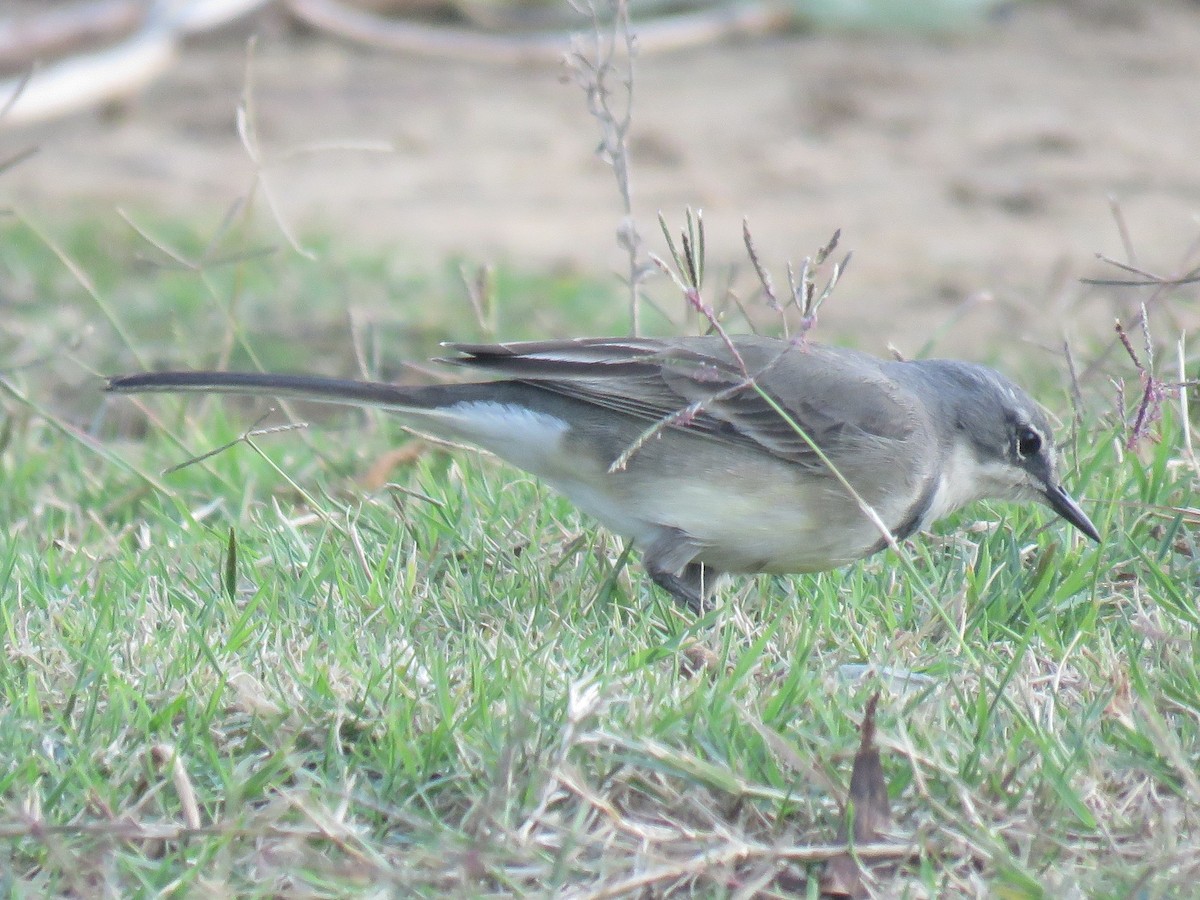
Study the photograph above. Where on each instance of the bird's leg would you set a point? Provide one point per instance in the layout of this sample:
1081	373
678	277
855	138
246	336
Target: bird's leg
691	588
670	560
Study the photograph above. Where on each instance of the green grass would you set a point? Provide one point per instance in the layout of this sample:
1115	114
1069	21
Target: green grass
257	677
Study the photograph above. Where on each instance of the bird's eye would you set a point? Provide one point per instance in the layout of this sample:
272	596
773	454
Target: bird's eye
1029	442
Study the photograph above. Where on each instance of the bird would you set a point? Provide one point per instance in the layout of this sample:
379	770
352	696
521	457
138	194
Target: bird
721	454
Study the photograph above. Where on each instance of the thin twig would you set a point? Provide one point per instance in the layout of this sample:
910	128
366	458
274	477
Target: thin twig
1114	206
614	47
1185	419
245	438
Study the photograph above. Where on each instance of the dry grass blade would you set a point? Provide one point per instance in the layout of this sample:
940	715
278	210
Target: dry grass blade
610	59
1160	285
15	92
246	437
764	276
1154	390
17	158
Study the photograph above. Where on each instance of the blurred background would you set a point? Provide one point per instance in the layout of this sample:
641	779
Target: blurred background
970	158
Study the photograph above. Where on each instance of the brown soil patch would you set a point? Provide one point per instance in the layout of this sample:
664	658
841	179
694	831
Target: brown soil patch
978	165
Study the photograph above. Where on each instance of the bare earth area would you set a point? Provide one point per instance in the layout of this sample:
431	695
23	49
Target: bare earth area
974	166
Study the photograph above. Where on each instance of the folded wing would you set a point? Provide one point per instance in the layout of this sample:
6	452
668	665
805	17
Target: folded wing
752	391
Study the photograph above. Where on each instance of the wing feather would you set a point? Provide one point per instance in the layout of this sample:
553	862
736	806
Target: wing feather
840	398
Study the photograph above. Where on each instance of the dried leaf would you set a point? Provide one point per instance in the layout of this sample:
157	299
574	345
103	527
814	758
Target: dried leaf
868	813
380	472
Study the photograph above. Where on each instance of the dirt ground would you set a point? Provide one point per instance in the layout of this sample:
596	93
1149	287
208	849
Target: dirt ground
975	166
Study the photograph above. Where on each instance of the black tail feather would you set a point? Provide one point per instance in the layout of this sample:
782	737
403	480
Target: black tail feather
306	387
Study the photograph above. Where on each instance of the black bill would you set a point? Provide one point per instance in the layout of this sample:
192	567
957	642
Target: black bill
1062	503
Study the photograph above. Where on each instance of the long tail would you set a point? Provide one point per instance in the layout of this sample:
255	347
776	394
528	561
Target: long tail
518	422
307	387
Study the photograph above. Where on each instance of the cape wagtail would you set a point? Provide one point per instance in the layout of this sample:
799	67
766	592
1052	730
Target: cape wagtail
704	450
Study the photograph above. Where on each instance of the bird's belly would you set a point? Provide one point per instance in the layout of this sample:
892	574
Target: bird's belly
738	524
791	528
741	511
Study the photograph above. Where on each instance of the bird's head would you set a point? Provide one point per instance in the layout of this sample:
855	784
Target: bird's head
996	440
